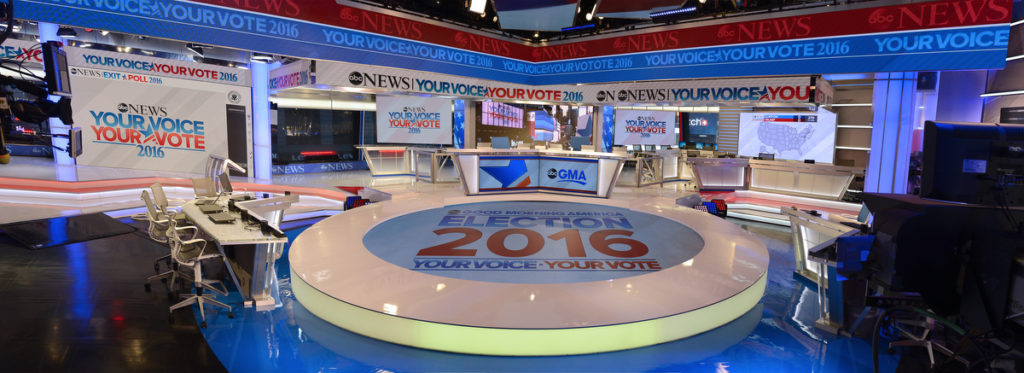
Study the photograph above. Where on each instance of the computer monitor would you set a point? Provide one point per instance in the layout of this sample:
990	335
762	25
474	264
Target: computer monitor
58	81
225	184
577	142
500	143
980	163
203	187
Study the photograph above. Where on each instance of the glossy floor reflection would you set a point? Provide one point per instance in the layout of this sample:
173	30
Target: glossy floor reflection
81	307
776	336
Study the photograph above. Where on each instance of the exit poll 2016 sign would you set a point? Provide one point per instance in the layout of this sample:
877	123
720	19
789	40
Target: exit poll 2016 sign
533	242
633	127
414	120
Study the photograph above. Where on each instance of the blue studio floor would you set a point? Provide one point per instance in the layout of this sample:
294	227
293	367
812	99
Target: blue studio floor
776	336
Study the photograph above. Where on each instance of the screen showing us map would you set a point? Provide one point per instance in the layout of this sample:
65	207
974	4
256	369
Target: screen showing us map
794	136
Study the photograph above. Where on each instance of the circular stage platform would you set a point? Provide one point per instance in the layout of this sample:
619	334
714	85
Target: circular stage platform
527	274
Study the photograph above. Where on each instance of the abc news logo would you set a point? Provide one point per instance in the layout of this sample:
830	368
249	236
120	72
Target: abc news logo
881	18
606	95
356	78
137	109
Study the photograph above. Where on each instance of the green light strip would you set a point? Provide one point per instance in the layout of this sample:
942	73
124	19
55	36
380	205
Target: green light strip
523	342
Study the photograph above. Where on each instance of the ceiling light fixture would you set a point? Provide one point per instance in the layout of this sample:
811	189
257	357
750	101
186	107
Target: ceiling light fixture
67	32
195	48
261	57
104	32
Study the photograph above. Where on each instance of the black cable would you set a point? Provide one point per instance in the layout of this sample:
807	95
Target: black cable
881	319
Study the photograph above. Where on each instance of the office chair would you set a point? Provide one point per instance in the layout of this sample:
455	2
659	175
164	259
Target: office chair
157	221
160	200
158	226
192	253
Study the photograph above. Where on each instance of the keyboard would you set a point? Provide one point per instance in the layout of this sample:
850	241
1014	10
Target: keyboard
222	218
210	209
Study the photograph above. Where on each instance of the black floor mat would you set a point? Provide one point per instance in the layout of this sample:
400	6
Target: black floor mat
37	234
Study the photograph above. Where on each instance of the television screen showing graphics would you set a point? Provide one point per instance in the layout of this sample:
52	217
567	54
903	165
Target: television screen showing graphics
700	128
501	115
793	136
414	120
635	127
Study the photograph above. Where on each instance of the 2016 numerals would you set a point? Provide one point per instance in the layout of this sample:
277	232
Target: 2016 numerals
150	151
599	240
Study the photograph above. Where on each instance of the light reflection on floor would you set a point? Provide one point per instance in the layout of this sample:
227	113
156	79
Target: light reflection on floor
776	336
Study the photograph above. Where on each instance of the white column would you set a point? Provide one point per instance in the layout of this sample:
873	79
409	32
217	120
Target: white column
891	133
261	139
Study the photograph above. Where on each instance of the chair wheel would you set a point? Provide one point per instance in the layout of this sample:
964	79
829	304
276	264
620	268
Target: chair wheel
148	289
203	324
231	314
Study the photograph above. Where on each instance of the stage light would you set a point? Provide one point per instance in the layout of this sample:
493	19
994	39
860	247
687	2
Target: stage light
67	32
195	48
477	6
262	57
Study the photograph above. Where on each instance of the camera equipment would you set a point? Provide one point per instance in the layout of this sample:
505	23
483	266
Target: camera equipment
26	98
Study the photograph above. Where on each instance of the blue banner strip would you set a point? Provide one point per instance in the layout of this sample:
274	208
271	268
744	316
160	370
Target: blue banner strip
975	47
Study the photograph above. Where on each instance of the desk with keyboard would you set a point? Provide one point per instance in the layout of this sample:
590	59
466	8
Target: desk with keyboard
249	240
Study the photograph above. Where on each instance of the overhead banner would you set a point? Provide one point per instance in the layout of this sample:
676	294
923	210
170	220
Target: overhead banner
414	120
792	90
150	122
634	127
296	74
136	65
935	35
26	52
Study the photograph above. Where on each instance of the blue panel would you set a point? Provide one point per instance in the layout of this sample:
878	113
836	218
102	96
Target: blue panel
607	128
308	168
459	124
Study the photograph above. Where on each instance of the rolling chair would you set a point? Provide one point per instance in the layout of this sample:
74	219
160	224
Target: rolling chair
191	253
158	226
162	205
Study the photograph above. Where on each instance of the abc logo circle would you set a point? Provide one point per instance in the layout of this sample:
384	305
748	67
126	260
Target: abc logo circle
601	96
552	173
726	33
234	97
122	107
623	95
880	19
355	78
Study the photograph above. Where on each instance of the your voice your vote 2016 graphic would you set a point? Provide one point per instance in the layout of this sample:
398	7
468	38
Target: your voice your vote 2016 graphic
533	242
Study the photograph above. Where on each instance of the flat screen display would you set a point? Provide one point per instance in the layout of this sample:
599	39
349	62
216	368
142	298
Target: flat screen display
794	136
414	120
500	115
635	127
699	128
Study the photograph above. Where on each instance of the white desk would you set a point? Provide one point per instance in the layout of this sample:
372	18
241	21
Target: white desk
530	170
252	268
